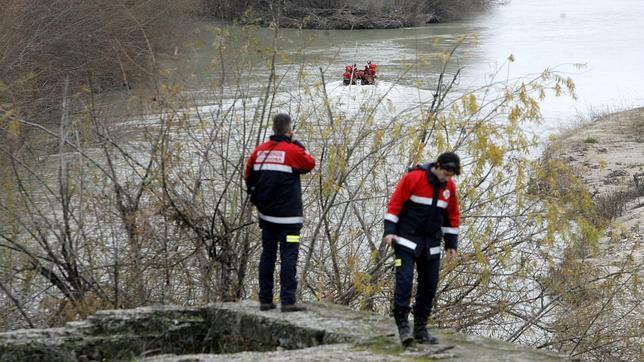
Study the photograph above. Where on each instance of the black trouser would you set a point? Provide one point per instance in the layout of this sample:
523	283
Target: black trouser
287	237
427	269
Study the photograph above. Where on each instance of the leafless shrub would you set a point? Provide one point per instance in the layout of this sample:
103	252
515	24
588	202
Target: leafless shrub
613	204
594	290
405	12
95	44
161	216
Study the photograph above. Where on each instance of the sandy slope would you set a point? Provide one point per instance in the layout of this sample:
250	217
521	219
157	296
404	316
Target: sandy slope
608	155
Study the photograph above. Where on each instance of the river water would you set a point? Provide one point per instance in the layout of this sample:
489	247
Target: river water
538	33
606	37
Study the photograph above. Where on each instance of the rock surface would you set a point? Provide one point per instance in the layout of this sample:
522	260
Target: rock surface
240	332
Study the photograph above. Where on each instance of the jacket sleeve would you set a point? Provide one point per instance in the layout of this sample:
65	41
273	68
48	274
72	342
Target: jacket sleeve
398	199
451	223
303	162
248	173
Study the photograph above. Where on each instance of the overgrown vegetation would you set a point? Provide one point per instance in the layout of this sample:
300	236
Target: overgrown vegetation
345	14
613	205
95	45
596	283
153	209
590	140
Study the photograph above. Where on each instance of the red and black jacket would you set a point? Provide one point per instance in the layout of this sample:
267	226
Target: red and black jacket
273	179
422	211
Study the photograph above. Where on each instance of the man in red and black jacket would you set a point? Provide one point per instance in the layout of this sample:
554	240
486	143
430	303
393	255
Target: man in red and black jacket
273	180
421	212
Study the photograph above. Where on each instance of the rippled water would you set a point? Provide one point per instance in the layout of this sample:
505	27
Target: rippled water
606	37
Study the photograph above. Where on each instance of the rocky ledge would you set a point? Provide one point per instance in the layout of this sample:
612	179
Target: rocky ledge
240	332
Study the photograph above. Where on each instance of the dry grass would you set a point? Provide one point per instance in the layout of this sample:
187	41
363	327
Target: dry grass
613	205
609	205
99	45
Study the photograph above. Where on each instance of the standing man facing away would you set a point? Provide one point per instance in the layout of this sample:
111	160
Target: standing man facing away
273	180
422	211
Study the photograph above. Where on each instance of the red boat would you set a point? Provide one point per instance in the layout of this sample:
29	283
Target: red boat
353	75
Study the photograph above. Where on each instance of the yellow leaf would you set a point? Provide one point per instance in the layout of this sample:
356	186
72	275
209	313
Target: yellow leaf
473	107
13	128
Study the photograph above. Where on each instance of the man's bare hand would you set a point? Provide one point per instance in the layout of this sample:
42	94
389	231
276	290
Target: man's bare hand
451	255
389	239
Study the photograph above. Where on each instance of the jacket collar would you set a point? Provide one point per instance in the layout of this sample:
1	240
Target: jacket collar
280	138
433	180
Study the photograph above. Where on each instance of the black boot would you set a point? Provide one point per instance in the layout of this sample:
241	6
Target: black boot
404	331
421	334
295	307
267	306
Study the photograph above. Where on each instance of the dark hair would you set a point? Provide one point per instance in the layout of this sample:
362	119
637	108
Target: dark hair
449	161
281	123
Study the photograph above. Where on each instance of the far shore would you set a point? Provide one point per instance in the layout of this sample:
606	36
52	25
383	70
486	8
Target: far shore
346	18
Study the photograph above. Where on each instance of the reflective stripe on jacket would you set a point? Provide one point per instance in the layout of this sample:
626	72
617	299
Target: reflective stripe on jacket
422	209
273	175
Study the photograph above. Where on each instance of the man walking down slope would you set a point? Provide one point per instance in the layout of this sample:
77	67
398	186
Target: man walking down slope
422	211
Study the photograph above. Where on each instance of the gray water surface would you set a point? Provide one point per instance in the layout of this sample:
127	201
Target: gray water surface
606	37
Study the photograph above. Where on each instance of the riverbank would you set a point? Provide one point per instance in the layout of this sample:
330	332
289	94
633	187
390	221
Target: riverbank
598	277
347	18
607	155
345	15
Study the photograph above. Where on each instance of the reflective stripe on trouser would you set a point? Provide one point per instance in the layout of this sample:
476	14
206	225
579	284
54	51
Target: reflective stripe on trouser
427	282
272	236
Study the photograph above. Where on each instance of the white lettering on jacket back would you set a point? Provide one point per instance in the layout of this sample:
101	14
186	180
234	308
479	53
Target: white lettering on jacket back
271	156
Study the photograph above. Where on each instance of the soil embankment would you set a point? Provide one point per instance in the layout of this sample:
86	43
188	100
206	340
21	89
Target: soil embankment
608	156
600	274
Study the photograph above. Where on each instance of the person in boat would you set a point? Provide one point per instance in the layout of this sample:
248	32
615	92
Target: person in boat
346	76
359	75
367	78
372	68
354	76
